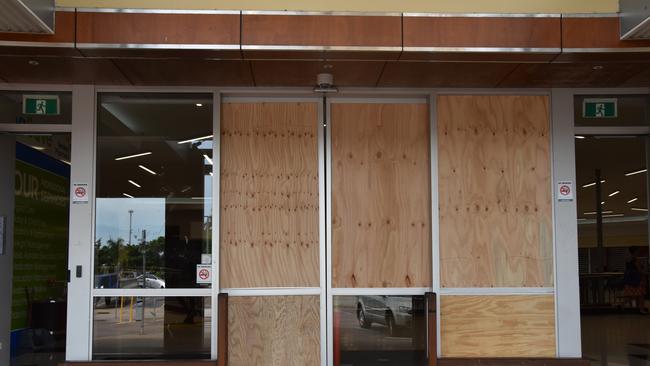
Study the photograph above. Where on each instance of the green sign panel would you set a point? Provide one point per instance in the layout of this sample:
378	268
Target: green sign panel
600	108
41	104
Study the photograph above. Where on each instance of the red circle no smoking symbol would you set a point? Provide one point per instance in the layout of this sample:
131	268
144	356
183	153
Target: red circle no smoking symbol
565	190
204	274
80	192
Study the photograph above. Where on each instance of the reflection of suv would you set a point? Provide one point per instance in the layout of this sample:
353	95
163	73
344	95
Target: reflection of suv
392	311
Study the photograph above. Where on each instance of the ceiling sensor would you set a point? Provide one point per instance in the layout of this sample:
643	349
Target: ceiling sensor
325	84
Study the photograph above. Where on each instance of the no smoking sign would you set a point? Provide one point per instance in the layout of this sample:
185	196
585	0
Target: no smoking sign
203	273
565	191
80	193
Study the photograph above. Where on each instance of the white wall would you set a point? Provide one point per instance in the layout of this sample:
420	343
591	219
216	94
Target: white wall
7	178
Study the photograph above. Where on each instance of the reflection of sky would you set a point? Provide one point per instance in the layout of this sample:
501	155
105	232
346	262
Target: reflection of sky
112	221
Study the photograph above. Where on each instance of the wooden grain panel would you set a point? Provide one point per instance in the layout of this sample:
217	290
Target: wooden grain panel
274	331
60	70
186	72
575	75
444	74
302	73
497	326
381	215
495	191
321	30
146	28
269	195
482	32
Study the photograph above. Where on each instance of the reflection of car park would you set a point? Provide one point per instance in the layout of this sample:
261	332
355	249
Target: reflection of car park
392	311
151	281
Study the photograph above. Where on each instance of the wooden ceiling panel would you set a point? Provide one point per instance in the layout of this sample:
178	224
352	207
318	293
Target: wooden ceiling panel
321	30
498	32
444	74
59	70
573	75
186	72
303	73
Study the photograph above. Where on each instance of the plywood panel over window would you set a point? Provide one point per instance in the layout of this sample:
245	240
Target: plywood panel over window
495	191
274	331
497	326
381	233
269	195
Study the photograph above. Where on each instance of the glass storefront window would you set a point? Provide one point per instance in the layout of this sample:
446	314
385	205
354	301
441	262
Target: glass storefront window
35	107
379	330
151	328
154	190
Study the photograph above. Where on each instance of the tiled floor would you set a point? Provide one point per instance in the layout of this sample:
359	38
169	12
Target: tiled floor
616	339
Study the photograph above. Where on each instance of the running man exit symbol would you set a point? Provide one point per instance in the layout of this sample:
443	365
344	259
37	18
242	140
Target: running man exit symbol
41	104
600	108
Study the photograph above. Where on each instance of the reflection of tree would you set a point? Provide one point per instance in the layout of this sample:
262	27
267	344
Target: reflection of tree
129	257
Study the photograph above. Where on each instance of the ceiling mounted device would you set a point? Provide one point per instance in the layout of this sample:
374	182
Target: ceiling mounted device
635	19
325	84
27	16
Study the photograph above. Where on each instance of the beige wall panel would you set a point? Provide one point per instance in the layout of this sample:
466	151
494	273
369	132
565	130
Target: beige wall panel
497	326
274	331
269	195
381	215
495	191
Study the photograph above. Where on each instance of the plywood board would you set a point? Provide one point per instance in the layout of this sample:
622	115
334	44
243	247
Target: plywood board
495	191
274	331
497	326
269	195
381	215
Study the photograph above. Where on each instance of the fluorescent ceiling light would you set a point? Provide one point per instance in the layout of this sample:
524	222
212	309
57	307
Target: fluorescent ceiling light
195	139
636	172
134	183
208	159
632	200
133	156
592	184
639	209
127	195
614	215
199	105
39	148
147	170
614	193
580	137
602	203
594	212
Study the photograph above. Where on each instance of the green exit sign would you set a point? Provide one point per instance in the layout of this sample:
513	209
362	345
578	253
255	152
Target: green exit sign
600	108
41	104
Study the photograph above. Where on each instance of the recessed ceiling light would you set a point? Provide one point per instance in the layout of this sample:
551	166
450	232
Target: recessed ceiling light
33	62
195	139
147	170
580	137
209	159
636	172
199	105
134	183
127	195
613	193
598	67
592	184
133	156
602	203
632	200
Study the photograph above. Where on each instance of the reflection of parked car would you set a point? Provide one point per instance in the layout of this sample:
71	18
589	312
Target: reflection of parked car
152	281
392	311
